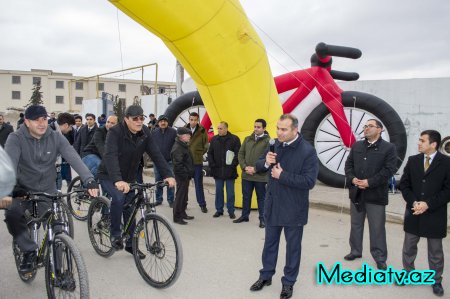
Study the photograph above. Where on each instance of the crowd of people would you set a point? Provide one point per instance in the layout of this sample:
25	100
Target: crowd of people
281	171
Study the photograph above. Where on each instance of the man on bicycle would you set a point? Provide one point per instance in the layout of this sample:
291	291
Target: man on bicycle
33	150
125	144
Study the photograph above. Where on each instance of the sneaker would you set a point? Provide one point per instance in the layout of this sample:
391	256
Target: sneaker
28	261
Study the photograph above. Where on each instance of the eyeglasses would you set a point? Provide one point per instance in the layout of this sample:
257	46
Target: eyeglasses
370	126
136	118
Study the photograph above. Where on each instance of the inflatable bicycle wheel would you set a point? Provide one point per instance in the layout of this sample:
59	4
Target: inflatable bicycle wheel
178	112
320	130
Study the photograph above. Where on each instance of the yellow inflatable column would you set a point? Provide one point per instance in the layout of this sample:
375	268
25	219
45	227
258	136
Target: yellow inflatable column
217	45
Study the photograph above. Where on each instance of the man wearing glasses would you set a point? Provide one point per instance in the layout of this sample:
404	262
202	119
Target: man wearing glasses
125	144
369	166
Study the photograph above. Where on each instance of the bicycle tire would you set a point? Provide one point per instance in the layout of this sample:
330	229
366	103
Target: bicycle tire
159	253
363	102
186	102
99	235
18	256
64	282
78	202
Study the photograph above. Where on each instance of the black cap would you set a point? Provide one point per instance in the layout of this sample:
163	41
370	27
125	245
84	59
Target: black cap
33	112
183	130
134	110
163	117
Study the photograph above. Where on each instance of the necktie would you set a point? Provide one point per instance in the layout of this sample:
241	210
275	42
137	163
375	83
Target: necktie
427	162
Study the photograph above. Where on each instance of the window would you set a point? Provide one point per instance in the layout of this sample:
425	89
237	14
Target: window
79	85
59	99
101	86
15	79
60	84
15	95
78	100
122	87
36	80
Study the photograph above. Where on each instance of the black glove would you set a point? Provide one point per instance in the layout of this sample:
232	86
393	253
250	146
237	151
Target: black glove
19	191
91	184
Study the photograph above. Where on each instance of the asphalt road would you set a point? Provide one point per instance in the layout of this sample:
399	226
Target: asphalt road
222	259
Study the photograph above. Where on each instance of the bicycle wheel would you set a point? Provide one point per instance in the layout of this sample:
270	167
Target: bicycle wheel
99	222
320	130
158	240
178	112
18	257
69	277
79	201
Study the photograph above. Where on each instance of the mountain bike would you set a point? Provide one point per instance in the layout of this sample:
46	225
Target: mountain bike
330	119
79	200
52	230
153	235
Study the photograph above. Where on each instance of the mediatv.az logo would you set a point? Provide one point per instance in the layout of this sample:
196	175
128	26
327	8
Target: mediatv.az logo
368	275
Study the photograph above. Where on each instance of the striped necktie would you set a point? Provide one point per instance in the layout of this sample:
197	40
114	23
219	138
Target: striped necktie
427	162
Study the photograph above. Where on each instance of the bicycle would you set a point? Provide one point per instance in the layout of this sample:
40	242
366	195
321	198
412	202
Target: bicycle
79	200
332	126
65	271
153	235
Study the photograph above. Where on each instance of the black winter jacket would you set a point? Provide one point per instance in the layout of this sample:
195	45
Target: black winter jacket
123	153
4	132
218	147
183	165
165	140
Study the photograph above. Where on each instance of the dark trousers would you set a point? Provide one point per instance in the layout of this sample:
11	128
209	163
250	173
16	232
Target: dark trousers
376	216
159	189
435	254
118	199
198	180
17	224
181	198
293	236
247	192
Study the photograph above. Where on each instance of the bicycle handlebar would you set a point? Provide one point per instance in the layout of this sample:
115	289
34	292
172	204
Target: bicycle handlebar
32	195
344	76
323	50
135	186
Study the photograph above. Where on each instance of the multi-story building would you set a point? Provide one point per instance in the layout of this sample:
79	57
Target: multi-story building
64	92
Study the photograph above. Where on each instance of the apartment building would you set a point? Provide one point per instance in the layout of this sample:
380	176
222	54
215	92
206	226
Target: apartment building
64	92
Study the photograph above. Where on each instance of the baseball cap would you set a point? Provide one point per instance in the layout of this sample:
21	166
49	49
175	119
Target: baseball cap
134	110
33	112
162	117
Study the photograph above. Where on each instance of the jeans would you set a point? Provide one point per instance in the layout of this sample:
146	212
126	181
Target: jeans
247	192
230	195
92	162
198	180
118	199
159	189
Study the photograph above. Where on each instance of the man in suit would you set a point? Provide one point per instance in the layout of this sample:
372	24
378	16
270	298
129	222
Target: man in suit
5	130
425	186
77	126
293	172
370	164
85	134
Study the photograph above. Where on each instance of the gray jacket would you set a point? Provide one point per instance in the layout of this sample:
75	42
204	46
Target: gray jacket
34	159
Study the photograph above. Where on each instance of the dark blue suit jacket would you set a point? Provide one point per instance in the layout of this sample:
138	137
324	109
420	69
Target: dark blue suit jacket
287	198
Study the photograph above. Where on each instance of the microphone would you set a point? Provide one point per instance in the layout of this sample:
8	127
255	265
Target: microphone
272	148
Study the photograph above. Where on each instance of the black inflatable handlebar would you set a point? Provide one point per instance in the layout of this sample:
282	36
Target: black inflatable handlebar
344	76
323	50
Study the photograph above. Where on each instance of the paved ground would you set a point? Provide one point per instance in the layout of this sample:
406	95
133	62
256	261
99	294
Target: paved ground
222	259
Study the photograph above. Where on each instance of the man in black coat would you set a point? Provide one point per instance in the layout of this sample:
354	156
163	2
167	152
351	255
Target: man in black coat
125	145
85	134
293	167
183	168
223	160
5	130
425	186
369	166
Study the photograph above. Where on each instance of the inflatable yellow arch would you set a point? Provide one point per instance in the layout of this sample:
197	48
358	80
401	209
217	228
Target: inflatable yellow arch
217	45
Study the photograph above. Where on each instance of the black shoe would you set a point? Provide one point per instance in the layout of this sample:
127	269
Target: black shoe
217	214
158	203
286	292
381	266
262	224
180	221
27	264
260	283
116	243
204	209
140	253
351	257
105	222
171	204
240	219
188	217
438	290
232	216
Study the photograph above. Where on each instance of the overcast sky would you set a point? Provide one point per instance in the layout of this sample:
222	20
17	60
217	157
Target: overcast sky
398	38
